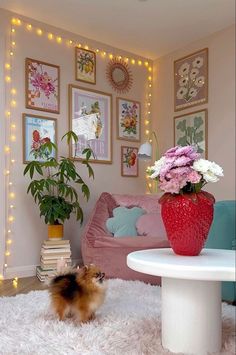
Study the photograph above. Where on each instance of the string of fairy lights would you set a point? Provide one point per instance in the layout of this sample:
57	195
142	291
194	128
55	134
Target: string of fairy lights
11	104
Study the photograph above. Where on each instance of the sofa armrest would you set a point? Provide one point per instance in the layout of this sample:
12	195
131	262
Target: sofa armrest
125	242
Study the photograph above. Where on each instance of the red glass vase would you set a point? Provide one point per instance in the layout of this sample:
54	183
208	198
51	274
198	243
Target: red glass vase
187	219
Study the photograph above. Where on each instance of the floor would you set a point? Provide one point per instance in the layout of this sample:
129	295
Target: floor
24	285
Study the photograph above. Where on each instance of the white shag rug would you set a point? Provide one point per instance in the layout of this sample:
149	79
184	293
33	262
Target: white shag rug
128	323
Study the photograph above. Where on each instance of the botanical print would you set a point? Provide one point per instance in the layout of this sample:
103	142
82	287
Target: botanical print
90	119
191	80
42	86
85	61
129	161
191	129
38	131
128	113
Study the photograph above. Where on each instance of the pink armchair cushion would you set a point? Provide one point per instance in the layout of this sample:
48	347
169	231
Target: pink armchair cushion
151	225
148	202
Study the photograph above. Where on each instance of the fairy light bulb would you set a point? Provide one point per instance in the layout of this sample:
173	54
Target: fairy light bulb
79	45
127	59
13	43
50	36
13	138
18	21
104	53
139	62
12	195
150	184
7	172
70	41
29	27
10	183
132	61
149	112
97	50
149	104
59	39
9	231
1	277
119	57
13	161
150	95
147	131
13	30
150	69
86	47
147	122
9	241
7	149
13	21
8	79
13	125
7	66
11	206
13	103
110	56
11	219
11	53
146	64
39	32
7	253
13	91
150	85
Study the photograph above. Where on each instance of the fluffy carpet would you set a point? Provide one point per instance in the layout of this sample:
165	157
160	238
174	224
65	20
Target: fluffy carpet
127	324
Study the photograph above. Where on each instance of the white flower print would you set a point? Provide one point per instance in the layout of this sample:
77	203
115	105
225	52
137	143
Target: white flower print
183	81
181	93
194	72
192	92
184	69
198	62
199	82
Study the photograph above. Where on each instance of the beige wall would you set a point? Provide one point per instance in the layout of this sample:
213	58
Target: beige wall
221	105
28	229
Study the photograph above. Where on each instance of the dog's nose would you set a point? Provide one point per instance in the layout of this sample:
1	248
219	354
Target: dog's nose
103	274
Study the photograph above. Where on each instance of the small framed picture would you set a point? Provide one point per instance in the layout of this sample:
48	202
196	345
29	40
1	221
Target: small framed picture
129	161
42	86
191	80
85	65
37	131
90	115
191	128
128	119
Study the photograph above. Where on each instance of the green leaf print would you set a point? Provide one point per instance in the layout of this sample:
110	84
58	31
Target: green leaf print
198	121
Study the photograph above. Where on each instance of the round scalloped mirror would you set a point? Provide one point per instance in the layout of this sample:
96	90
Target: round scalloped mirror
119	75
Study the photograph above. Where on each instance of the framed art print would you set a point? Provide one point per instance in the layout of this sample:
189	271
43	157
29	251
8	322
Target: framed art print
37	131
191	80
42	86
128	119
90	114
129	161
85	65
191	128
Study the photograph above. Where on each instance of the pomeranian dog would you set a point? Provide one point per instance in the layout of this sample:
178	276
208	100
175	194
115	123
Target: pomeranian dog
78	292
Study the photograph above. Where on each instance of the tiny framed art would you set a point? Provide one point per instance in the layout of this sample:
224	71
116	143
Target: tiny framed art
129	161
85	65
191	80
191	128
42	86
38	130
128	119
90	115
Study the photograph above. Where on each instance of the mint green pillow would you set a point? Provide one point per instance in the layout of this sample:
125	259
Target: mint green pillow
122	224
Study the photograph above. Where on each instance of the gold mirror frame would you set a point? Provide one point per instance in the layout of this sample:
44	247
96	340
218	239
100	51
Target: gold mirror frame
123	85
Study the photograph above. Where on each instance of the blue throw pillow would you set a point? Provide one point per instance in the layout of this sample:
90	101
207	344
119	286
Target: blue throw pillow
122	224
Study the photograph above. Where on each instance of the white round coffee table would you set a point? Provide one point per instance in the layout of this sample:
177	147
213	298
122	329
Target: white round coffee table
191	295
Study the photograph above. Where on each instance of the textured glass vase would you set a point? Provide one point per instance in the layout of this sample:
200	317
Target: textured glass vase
187	219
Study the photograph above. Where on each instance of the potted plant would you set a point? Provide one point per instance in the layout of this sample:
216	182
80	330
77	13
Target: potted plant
55	188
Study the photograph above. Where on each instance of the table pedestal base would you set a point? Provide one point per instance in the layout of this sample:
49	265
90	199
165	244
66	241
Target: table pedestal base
191	316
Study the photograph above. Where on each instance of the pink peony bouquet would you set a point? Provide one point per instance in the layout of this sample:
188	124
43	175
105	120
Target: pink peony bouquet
181	170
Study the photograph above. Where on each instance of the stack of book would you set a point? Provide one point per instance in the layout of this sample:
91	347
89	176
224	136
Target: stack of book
51	252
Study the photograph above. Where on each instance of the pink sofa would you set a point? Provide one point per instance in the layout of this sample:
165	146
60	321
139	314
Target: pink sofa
108	252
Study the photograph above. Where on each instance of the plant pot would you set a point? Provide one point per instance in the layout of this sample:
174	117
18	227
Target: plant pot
55	231
187	219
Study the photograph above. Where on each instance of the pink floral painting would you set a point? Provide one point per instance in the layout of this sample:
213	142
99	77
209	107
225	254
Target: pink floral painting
129	161
191	80
42	86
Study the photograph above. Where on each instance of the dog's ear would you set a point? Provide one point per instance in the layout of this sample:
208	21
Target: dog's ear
82	271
